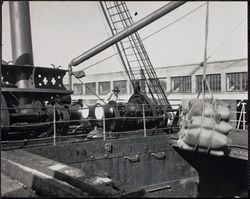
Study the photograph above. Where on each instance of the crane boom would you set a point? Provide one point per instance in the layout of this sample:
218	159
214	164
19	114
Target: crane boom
121	35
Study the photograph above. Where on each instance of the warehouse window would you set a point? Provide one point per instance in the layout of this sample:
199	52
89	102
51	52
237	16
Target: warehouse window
90	87
142	83
237	81
154	83
181	84
78	89
163	83
122	85
104	88
214	81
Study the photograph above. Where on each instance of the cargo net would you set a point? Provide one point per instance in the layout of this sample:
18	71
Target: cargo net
205	132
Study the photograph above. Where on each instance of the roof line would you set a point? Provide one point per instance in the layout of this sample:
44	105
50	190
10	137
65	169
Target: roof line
212	62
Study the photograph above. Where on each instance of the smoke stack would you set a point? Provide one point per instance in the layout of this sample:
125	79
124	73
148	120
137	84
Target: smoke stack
20	33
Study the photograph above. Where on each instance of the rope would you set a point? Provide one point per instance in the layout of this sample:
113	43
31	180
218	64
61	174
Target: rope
228	36
174	22
209	89
91	91
213	133
204	78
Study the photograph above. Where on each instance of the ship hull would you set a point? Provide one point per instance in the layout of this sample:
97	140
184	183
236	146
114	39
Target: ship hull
143	163
219	176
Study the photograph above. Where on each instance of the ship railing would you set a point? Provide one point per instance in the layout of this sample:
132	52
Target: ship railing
56	137
106	135
241	120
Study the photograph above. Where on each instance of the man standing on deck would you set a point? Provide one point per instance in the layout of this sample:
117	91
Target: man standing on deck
113	96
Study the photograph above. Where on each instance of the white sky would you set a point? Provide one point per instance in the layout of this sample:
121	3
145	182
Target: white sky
63	30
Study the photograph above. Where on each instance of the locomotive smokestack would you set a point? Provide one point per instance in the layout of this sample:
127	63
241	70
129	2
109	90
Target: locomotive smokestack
20	33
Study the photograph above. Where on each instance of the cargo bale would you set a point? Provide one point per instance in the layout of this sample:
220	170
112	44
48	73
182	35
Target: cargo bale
195	122
184	146
224	127
210	123
223	112
197	108
192	135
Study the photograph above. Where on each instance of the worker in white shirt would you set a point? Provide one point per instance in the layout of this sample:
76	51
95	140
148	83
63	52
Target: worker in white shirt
113	96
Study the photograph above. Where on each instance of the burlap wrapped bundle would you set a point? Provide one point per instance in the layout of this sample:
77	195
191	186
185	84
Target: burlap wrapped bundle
212	134
191	136
212	108
210	123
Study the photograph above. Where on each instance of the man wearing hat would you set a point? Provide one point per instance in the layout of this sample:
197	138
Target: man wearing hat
113	96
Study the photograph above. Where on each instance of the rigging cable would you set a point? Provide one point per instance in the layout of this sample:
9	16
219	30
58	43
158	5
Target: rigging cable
148	35
106	29
228	36
197	68
91	90
216	49
204	82
222	43
174	22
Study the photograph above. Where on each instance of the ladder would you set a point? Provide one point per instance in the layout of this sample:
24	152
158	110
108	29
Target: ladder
132	52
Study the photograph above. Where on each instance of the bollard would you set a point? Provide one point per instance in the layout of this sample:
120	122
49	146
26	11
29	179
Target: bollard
54	124
144	121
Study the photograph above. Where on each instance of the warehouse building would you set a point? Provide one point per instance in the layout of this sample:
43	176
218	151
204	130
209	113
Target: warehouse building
228	80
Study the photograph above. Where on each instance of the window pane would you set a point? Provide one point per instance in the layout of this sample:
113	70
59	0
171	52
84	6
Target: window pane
244	81
163	83
78	89
90	86
144	87
122	85
198	83
154	84
142	83
104	88
181	84
214	81
237	81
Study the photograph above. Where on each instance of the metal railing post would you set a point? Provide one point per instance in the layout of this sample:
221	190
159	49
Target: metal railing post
103	121
144	121
238	125
54	124
244	115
